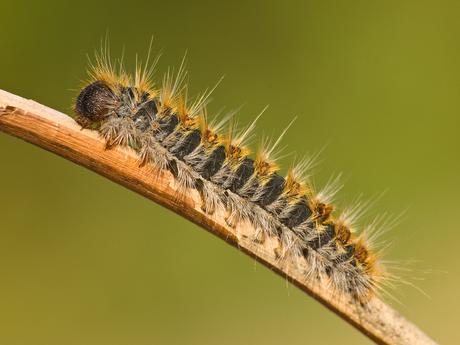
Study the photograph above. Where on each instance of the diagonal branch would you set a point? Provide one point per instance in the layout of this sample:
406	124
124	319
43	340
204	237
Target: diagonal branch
58	133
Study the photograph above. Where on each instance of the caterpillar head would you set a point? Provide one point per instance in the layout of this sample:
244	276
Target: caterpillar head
94	102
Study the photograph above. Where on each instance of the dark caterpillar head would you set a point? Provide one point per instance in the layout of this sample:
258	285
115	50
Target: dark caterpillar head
94	101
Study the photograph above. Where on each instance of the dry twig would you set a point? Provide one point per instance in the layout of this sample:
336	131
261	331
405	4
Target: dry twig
58	133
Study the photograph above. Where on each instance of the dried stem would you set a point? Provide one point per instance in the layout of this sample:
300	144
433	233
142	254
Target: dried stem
58	133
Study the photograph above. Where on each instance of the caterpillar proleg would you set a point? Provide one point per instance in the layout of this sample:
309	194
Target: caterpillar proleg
170	133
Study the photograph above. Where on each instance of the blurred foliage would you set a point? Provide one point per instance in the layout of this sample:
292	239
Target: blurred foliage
374	83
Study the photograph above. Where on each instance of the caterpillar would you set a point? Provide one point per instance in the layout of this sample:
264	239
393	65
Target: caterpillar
171	133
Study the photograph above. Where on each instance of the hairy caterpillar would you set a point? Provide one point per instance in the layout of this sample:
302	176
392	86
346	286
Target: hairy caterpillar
170	133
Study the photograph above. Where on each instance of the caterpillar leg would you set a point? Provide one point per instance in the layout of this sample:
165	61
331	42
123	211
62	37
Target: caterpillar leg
153	154
210	197
120	131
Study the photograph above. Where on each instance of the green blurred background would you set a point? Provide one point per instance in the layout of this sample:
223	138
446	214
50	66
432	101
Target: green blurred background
377	83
